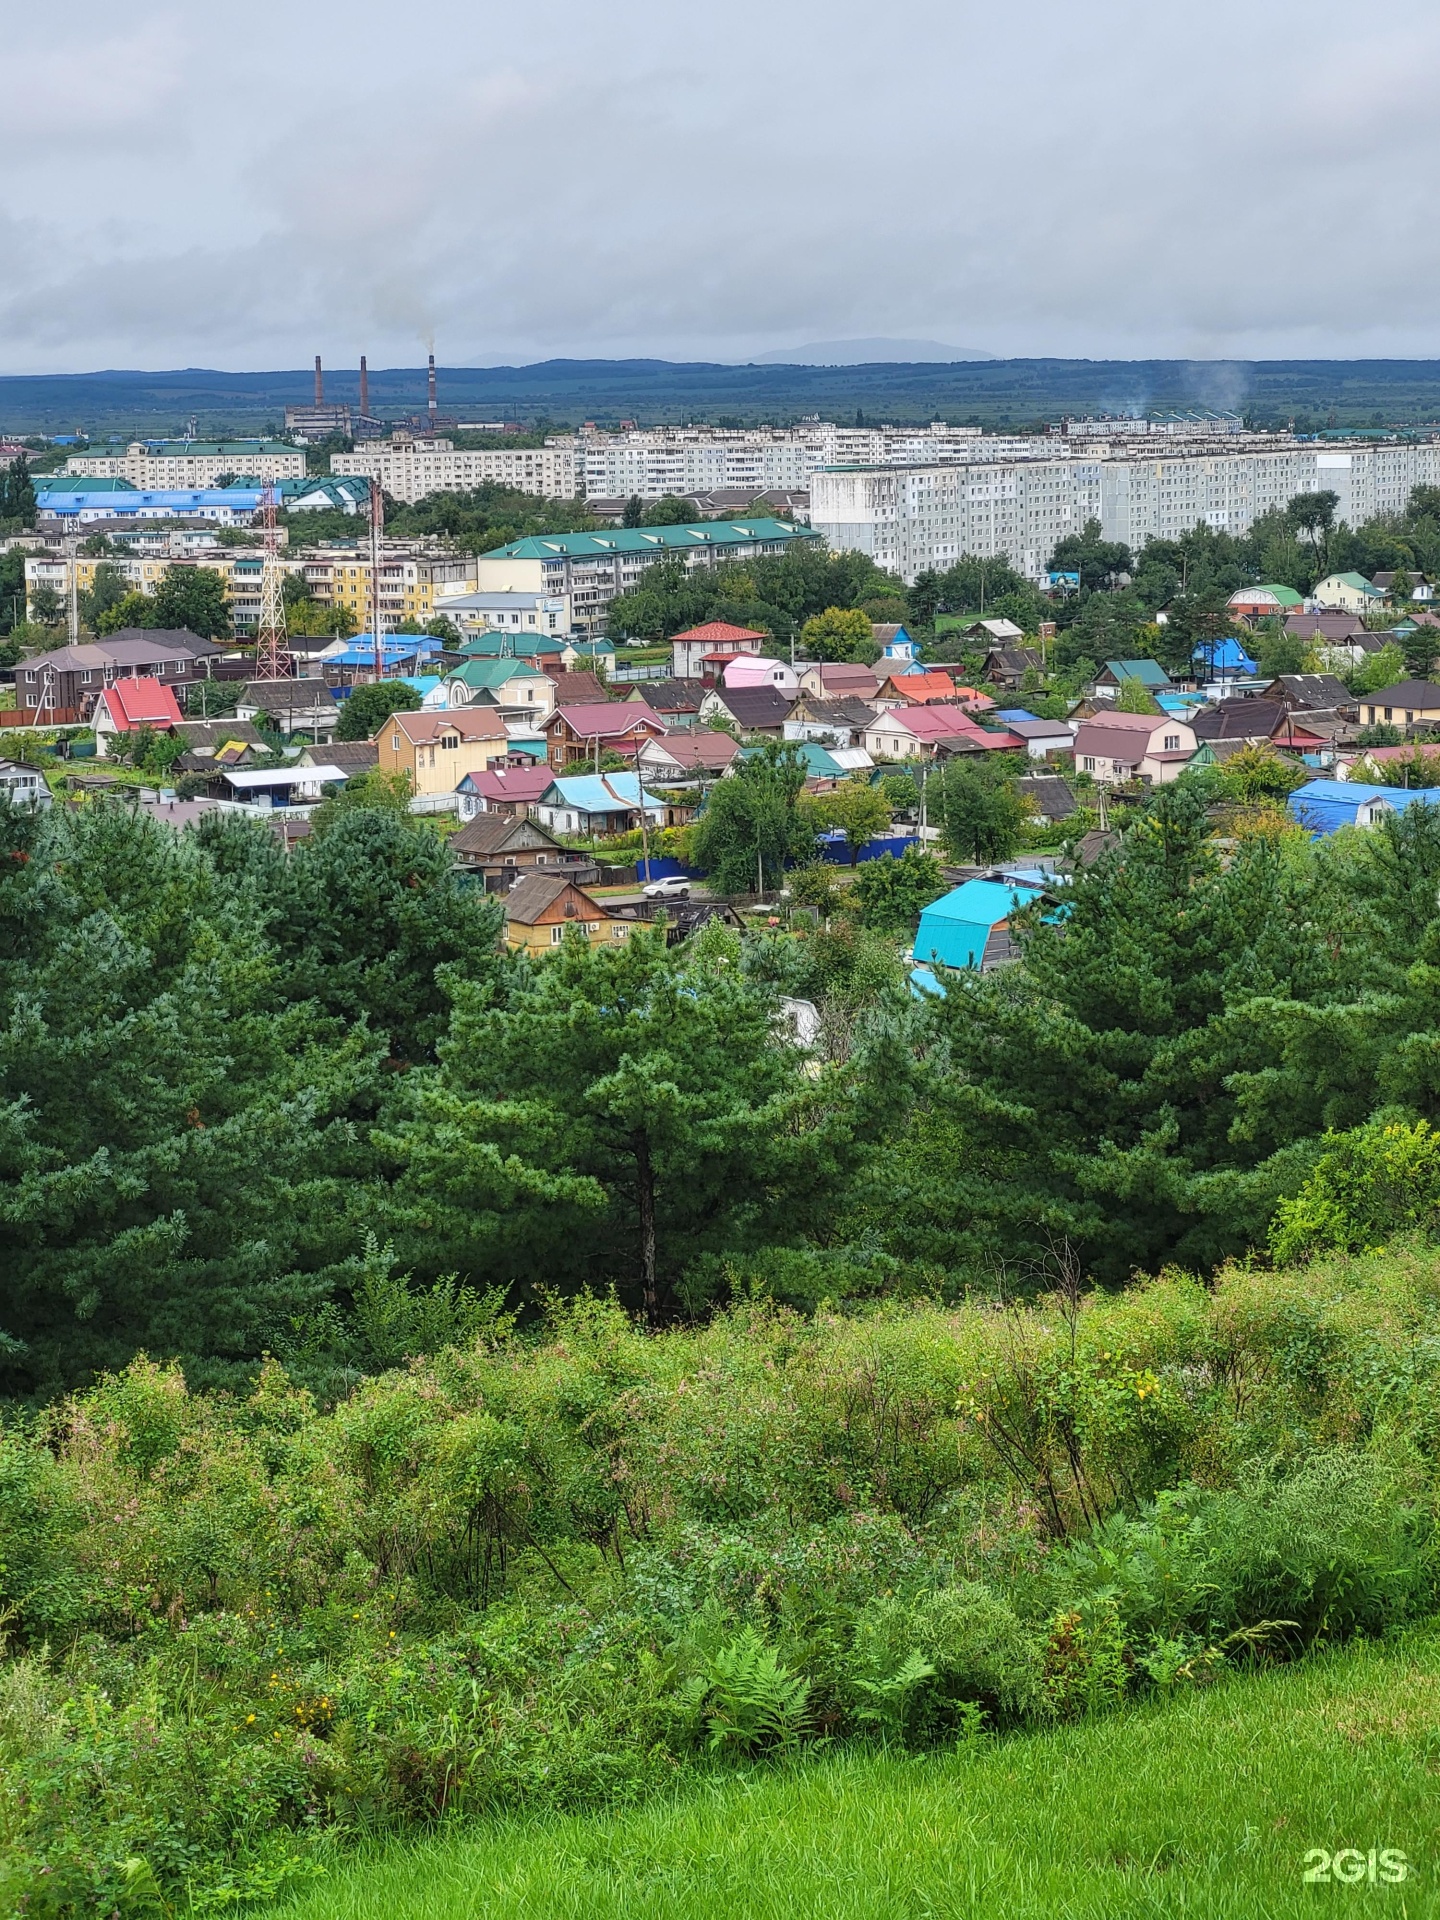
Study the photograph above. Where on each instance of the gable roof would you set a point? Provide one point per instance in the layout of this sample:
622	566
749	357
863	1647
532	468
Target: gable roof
1405	693
1149	673
142	702
1102	739
603	719
1326	624
847	711
755	706
1282	596
491	833
494	645
483	675
513	786
667	696
422	727
699	749
598	792
921	687
578	689
955	928
536	892
1314	689
1051	794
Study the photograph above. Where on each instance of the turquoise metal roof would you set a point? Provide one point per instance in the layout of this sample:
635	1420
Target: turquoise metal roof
656	540
597	792
954	929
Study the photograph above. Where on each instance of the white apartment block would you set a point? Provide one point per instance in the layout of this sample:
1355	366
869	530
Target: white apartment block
409	469
704	459
168	464
914	517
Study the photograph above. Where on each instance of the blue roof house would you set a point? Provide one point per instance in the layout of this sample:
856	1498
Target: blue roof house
1224	658
969	927
1324	806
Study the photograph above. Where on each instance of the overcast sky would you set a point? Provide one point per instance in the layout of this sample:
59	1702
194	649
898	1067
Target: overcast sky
244	188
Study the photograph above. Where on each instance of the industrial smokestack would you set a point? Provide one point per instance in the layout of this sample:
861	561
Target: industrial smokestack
319	384
434	407
364	390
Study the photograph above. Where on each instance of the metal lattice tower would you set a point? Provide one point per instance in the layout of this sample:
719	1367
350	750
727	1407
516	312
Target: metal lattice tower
272	660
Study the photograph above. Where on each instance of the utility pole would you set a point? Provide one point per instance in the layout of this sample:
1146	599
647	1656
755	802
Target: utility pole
644	824
72	548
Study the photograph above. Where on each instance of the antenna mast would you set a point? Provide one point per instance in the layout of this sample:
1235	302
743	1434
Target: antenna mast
377	521
272	661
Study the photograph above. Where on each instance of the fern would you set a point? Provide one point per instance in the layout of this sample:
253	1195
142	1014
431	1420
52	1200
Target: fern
888	1700
746	1699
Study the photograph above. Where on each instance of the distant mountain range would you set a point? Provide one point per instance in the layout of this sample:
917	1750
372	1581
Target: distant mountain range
868	353
1001	394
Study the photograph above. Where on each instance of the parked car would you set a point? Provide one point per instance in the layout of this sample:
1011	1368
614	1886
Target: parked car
676	887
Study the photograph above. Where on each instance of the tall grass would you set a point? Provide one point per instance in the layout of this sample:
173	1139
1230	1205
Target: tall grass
1206	1806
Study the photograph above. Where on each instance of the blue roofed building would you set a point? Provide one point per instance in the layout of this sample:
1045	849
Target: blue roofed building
596	803
970	927
1324	806
1223	659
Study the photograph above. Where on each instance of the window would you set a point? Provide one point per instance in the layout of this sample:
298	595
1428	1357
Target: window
1172	743
394	743
557	934
1089	764
620	932
1387	713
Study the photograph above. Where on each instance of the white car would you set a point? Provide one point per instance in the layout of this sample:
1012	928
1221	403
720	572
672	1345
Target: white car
675	888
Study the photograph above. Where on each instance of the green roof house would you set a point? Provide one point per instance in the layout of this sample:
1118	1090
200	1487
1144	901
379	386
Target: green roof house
1151	675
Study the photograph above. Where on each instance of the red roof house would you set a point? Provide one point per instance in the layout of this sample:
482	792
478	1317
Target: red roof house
129	705
688	649
614	726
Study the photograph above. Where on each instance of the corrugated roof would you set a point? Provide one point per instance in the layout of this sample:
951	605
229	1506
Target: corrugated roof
656	540
954	929
599	792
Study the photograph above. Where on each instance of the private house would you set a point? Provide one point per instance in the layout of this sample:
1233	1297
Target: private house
1223	659
1325	629
1116	673
1348	593
500	849
1358	763
1310	692
24	786
437	750
1050	797
676	701
542	907
1270	602
999	635
1324	806
920	733
751	710
970	927
1420	587
1118	747
1409	703
291	706
835	723
266	788
690	648
758	670
1042	738
1006	666
130	705
548	651
574	735
59	687
352	757
597	804
204	739
1258	721
506	788
897	649
689	759
838	680
922	685
515	685
578	687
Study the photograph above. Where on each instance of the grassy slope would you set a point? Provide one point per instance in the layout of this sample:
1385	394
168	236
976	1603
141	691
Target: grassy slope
1203	1808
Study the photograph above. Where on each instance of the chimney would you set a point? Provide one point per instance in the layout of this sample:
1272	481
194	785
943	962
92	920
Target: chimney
364	390
433	407
319	384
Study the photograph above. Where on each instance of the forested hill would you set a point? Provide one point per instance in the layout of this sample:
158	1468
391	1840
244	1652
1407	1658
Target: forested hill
1314	393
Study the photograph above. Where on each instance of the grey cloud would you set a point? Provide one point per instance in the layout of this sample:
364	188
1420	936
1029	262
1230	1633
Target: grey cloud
1121	180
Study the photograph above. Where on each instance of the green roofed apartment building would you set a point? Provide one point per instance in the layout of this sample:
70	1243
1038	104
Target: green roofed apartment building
165	464
592	568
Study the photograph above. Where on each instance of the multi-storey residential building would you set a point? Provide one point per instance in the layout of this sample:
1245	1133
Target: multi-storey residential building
592	568
409	468
191	463
412	573
754	460
914	517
